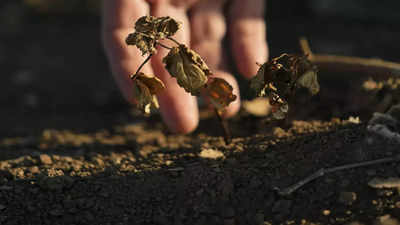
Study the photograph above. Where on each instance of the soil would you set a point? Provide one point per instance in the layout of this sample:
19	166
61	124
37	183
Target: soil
81	156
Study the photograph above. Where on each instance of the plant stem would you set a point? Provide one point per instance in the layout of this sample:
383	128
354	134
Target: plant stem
225	126
133	77
348	62
172	39
164	46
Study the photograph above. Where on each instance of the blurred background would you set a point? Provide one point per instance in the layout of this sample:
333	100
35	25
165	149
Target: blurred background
54	73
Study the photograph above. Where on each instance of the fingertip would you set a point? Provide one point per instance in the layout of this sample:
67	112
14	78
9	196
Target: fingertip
180	114
248	34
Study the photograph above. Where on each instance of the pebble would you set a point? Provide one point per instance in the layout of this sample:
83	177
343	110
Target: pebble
34	169
45	159
326	212
2	207
347	198
386	220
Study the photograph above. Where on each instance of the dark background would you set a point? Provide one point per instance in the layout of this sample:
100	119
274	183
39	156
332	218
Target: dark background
54	73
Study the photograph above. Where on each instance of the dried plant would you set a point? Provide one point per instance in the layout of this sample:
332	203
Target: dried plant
279	78
189	69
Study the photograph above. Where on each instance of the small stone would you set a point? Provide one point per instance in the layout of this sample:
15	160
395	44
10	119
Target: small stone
45	159
386	220
391	182
211	154
326	212
347	198
2	207
34	169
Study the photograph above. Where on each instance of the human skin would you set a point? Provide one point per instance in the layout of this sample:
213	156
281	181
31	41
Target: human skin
204	26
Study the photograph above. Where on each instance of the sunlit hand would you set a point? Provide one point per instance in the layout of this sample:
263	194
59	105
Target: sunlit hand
203	30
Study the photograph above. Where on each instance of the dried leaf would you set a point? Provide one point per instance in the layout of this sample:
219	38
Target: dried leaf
279	111
167	27
157	27
145	44
309	81
154	84
220	93
188	68
149	29
145	89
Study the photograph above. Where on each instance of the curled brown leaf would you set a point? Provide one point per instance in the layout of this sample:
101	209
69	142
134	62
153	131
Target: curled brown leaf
146	87
220	93
149	29
188	68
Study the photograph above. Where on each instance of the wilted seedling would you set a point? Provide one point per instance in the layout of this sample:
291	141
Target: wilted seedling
189	69
279	78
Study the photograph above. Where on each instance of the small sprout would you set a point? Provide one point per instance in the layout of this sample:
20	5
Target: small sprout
188	68
146	87
220	93
279	78
149	30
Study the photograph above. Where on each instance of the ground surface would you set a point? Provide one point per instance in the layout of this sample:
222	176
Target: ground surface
73	153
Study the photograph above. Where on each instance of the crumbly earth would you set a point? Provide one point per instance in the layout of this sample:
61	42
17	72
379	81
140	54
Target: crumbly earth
72	152
138	174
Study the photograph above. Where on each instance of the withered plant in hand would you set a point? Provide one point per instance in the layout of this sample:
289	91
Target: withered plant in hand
189	69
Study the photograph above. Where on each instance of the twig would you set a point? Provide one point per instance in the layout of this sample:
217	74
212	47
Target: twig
348	62
225	127
133	77
172	39
305	47
164	46
321	172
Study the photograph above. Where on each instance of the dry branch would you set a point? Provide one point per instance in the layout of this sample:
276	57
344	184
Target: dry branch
349	63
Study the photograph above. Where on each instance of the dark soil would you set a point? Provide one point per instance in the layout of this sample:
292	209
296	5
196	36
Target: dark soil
73	153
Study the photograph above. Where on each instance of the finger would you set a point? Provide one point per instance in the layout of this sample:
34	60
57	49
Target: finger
247	31
178	108
234	107
209	22
118	18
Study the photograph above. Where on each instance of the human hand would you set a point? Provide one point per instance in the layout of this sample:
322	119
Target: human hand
203	31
